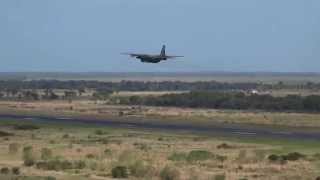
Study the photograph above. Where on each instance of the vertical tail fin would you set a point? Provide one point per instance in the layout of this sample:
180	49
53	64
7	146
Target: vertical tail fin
163	51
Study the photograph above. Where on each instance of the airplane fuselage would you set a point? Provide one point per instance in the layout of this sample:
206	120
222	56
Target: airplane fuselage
147	58
151	59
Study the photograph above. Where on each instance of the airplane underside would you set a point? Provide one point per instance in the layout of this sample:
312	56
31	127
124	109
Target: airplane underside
150	60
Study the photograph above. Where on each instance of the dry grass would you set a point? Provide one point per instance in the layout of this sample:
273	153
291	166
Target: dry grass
120	147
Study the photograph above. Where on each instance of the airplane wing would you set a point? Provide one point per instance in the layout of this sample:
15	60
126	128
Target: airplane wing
133	54
173	57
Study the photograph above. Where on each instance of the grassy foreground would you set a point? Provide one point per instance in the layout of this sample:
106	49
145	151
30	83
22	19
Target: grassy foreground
33	149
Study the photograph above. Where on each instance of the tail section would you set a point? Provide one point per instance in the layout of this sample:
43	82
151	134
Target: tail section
163	51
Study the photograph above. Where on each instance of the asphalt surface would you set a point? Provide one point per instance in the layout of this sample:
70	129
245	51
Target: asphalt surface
253	131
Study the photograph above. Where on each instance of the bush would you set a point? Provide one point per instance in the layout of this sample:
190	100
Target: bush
294	156
169	173
142	146
50	178
28	156
15	170
139	169
53	165
178	157
224	146
90	156
199	155
274	157
108	152
79	164
221	158
220	177
60	165
4	134
4	170
26	127
46	154
100	132
65	136
119	172
49	165
13	148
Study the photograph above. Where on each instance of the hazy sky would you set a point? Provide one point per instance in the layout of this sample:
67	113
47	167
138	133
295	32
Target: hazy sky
214	35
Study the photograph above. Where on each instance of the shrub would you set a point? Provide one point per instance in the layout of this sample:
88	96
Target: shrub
294	156
4	170
79	164
65	136
46	154
220	177
199	155
26	127
50	178
142	146
66	165
178	156
107	152
60	165
224	146
221	158
15	170
169	173
42	165
28	156
4	134
274	157
119	172
13	148
139	169
90	156
52	165
100	132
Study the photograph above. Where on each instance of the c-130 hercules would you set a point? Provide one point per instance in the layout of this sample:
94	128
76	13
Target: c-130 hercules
148	58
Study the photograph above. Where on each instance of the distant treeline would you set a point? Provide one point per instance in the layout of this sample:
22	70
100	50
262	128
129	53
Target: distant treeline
12	85
229	100
125	85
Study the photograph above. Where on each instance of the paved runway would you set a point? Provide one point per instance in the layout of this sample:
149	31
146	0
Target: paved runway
220	129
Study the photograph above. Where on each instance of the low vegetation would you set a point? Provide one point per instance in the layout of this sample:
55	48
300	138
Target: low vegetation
230	100
138	154
120	172
4	134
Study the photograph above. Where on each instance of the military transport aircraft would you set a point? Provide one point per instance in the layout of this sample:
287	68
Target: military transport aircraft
148	58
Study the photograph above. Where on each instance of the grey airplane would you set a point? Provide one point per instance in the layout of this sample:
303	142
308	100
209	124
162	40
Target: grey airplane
148	58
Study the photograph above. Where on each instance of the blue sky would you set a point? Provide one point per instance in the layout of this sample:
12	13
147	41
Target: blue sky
214	35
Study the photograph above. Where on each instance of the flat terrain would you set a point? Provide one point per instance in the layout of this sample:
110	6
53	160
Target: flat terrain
98	109
92	151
